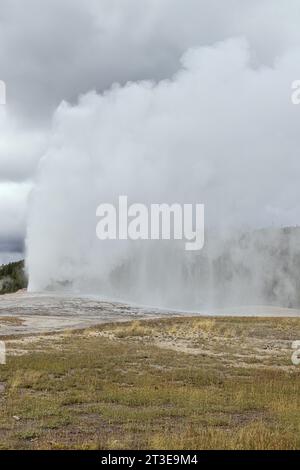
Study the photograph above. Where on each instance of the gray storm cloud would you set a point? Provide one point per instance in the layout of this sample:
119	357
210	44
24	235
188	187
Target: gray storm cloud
222	131
20	151
57	49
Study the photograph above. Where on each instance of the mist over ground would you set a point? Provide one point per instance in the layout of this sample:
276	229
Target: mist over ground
222	131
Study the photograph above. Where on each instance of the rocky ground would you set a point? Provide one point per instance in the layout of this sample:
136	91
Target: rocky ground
26	313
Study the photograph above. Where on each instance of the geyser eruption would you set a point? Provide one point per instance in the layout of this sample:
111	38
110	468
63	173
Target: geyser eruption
221	132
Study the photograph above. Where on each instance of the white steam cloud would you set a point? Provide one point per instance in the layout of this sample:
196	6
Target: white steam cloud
222	132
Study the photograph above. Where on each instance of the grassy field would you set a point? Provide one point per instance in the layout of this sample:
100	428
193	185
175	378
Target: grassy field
178	383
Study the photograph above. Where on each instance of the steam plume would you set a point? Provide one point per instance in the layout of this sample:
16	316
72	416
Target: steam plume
221	132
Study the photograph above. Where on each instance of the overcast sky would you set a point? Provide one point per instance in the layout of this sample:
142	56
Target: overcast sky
54	50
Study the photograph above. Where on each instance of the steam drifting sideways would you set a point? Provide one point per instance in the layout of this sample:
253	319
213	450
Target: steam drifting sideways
222	132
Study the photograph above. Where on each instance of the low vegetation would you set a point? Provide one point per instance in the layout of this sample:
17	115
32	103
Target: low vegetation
187	383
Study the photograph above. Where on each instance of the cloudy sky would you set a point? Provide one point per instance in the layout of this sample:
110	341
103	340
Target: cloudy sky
57	50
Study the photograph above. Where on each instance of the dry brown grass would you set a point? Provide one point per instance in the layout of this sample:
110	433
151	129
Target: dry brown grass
15	321
180	383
